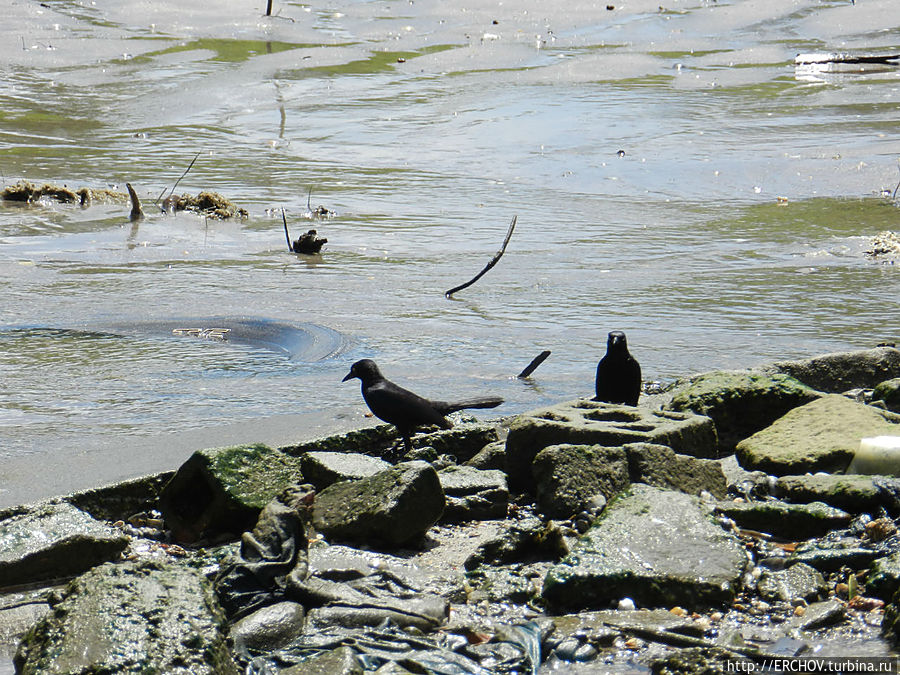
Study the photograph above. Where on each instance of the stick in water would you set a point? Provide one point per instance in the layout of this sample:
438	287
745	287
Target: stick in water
531	367
286	235
497	256
177	181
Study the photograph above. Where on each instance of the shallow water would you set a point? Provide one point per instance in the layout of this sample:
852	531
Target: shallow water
426	127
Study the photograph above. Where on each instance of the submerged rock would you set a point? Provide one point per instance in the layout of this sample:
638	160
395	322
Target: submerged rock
662	467
819	436
830	556
223	490
883	579
340	661
655	546
789	521
269	628
473	494
842	371
584	422
392	507
131	617
54	540
740	402
568	477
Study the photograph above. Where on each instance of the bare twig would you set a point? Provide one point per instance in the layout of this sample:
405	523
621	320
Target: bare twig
177	181
494	260
531	367
286	235
894	194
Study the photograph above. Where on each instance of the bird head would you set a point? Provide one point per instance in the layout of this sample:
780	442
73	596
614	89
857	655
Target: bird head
616	342
365	370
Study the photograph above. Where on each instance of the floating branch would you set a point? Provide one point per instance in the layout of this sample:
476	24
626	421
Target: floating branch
494	260
538	360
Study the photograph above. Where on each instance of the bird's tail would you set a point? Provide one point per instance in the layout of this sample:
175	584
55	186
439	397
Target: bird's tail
484	402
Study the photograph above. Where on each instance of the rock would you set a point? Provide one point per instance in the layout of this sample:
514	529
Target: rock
270	628
524	540
392	507
797	581
222	490
890	624
788	521
748	484
852	493
340	661
121	500
842	371
699	661
501	584
323	468
131	617
656	546
740	402
491	456
53	540
820	614
883	579
660	466
830	556
584	422
473	494
567	477
463	441
888	392
819	436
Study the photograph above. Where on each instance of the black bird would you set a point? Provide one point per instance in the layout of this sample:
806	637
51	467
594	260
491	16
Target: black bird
618	374
404	409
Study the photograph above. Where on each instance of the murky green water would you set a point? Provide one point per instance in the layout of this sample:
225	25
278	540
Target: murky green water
426	126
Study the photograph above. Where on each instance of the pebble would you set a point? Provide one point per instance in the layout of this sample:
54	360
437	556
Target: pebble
626	604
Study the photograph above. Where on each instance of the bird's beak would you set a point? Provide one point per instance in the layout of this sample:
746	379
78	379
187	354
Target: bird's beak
348	376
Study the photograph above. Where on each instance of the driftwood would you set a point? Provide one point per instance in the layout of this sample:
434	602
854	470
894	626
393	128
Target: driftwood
137	213
531	367
493	261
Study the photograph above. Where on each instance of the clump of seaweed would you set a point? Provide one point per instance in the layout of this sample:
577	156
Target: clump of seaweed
885	243
210	204
23	191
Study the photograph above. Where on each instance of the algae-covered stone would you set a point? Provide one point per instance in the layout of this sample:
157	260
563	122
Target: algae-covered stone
888	392
584	422
740	402
883	579
797	581
133	617
324	468
819	436
491	456
224	489
852	493
662	467
842	371
830	556
473	494
658	547
54	540
395	506
790	521
567	477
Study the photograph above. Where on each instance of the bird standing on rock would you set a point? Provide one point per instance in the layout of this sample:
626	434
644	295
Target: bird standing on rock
618	373
404	409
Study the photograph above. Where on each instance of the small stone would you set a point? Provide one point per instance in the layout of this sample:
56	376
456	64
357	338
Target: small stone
626	604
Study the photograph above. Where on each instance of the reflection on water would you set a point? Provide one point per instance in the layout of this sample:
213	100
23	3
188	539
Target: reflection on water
729	230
